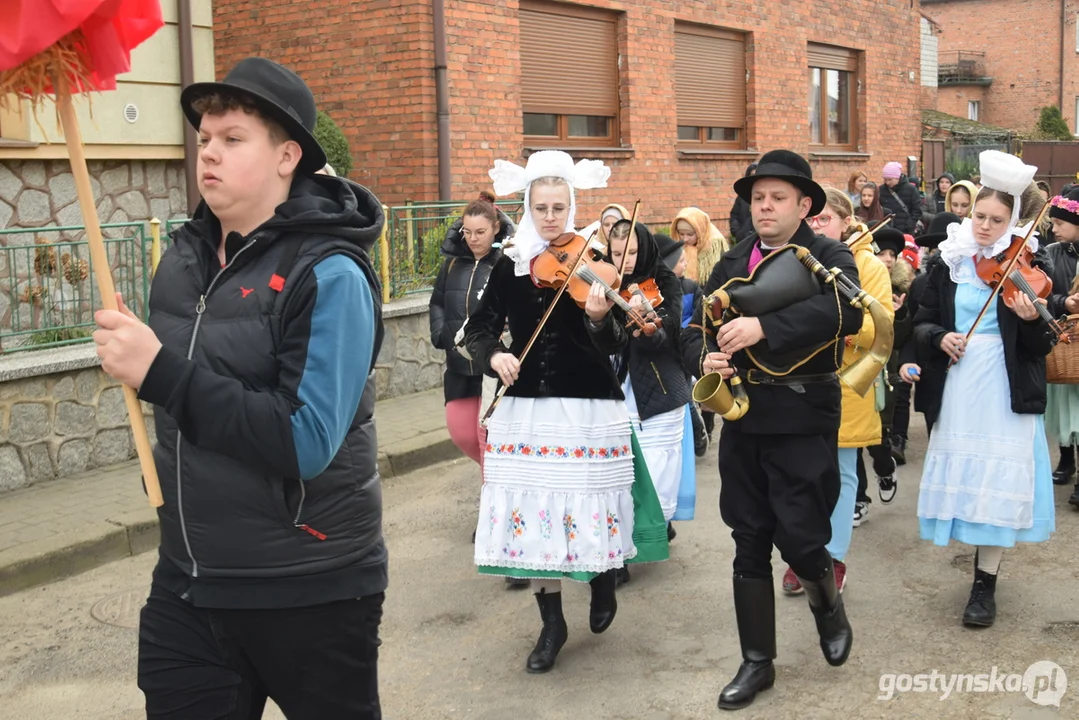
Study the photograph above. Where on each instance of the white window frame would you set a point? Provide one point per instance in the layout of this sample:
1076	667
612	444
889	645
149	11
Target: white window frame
974	110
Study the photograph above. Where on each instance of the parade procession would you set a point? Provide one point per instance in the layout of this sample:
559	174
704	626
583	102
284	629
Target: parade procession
350	396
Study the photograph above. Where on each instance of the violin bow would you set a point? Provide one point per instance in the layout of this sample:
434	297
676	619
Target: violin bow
632	227
1004	276
539	328
869	231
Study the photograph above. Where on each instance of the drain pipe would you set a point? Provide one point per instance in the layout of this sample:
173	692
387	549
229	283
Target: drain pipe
442	101
1063	37
187	76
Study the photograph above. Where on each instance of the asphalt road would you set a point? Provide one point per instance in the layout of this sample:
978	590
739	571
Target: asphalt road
455	643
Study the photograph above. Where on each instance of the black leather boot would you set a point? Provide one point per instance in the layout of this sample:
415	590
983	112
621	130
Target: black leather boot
1065	471
1074	499
755	608
553	635
836	635
604	604
982	606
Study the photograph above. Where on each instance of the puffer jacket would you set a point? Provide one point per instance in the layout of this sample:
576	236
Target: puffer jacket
1063	256
903	202
263	397
458	288
860	425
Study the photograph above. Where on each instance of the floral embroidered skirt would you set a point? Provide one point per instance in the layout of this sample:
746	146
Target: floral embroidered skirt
566	492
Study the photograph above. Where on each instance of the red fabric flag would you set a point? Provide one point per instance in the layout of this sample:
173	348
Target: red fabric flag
112	28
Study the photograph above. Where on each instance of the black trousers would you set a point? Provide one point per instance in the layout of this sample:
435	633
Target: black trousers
778	490
883	464
315	662
901	411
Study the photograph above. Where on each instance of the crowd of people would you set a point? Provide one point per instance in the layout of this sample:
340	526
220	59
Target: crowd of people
572	357
794	470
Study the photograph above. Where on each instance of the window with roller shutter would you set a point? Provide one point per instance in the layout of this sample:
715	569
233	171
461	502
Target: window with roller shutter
833	101
568	101
710	86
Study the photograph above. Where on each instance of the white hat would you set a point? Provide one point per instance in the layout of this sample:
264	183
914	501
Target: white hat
1008	174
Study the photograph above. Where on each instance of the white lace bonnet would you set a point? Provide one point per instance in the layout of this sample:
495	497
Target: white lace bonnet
509	179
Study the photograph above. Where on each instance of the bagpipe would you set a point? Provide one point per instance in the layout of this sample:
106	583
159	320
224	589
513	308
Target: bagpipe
787	276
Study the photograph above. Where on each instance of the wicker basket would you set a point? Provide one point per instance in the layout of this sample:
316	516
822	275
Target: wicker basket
1062	365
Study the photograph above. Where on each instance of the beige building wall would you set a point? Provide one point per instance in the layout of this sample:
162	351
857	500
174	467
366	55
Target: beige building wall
141	119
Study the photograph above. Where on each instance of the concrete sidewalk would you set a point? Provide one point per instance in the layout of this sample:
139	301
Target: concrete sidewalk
56	529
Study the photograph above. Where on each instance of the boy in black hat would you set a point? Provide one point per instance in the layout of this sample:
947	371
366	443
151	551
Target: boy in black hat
889	244
265	320
912	368
779	462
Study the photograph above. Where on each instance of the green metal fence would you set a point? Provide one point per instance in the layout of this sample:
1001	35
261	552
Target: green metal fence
414	234
48	294
47	291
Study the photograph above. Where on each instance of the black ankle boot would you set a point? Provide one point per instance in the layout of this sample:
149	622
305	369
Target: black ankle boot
755	608
982	607
604	604
1074	499
836	635
553	635
671	532
1065	470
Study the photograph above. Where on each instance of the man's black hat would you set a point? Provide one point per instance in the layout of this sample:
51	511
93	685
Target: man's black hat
669	248
888	238
784	165
278	93
937	232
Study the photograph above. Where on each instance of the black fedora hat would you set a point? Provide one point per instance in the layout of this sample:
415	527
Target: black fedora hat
937	232
279	93
784	165
669	248
889	239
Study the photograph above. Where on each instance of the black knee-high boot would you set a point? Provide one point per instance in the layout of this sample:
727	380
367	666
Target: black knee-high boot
836	635
553	635
755	608
1066	467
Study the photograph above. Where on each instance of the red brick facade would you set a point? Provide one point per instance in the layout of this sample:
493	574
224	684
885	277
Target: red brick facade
370	65
1024	42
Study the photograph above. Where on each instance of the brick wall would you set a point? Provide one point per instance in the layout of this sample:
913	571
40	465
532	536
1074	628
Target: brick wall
371	66
954	99
1022	41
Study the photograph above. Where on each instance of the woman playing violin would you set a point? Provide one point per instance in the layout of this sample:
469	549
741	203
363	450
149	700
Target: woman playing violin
987	479
650	369
559	470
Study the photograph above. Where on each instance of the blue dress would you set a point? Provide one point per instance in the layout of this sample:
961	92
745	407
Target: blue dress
987	478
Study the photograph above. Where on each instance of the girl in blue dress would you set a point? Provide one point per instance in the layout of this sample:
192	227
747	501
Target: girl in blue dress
987	479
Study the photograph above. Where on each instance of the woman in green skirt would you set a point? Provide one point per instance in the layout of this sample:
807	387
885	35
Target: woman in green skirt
566	494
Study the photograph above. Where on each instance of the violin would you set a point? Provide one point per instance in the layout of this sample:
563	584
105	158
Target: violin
568	262
1014	270
651	298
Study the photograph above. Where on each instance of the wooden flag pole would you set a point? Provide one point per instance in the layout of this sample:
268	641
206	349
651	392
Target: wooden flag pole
103	273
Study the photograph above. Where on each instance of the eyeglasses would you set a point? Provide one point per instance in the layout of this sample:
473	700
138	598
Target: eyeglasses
820	220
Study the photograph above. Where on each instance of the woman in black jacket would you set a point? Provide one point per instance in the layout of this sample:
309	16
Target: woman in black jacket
650	368
469	248
987	475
